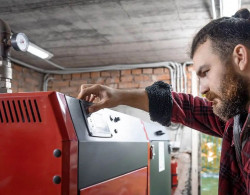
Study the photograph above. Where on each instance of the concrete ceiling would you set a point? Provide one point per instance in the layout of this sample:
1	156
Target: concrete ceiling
94	33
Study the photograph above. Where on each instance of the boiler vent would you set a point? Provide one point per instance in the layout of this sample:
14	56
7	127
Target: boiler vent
12	111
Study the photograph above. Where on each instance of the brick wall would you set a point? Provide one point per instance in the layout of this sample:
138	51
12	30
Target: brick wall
125	79
26	80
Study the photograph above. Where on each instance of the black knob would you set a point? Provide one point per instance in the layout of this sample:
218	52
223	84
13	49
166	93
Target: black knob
57	179
57	153
116	119
160	132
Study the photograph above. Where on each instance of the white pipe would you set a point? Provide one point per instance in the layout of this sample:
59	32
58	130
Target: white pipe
221	9
171	73
46	79
213	9
45	82
174	76
94	69
179	73
182	77
179	76
54	64
185	76
170	65
195	143
27	65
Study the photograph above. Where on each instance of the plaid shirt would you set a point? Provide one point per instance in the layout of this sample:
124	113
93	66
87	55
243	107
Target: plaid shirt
197	113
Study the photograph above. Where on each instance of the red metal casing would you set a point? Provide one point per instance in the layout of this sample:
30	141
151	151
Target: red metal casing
132	183
149	158
136	182
32	126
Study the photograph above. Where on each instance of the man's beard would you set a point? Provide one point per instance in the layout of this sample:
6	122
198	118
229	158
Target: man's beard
233	98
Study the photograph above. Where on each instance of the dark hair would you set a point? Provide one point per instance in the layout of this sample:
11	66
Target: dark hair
225	33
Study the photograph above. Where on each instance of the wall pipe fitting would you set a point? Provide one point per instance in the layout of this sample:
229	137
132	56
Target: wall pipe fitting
5	64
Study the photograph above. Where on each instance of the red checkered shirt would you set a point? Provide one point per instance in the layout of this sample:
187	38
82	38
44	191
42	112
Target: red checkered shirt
197	113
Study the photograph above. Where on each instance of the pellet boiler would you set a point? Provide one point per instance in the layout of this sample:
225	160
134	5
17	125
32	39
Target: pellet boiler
49	144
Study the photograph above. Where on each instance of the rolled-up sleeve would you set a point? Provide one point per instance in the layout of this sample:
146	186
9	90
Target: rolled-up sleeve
166	106
160	102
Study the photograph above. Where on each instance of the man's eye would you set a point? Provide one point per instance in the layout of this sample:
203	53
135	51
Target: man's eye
205	73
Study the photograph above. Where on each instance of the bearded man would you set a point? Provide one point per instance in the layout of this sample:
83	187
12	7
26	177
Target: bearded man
221	57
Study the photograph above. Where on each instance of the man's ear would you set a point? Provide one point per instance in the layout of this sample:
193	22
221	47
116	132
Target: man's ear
240	56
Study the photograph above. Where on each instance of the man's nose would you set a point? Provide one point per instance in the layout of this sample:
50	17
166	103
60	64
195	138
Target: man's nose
203	87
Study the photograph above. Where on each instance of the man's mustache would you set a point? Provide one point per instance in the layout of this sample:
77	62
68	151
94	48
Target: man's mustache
210	96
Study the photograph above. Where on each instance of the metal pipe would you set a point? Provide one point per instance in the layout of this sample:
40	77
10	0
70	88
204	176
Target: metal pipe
5	64
213	9
94	69
178	76
54	64
171	73
27	65
182	77
185	76
170	65
174	75
46	80
221	8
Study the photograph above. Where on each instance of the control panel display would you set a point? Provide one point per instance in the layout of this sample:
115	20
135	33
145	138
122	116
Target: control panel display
98	126
96	122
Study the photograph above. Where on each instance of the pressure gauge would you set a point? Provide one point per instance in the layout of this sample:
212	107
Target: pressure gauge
19	42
